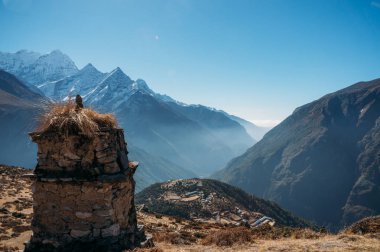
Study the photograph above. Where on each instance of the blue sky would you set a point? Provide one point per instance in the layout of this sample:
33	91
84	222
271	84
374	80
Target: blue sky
258	59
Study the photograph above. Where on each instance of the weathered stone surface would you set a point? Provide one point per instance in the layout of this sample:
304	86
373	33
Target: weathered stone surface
113	230
79	233
104	213
71	156
66	179
62	153
102	223
52	242
96	232
81	195
83	215
111	168
79	225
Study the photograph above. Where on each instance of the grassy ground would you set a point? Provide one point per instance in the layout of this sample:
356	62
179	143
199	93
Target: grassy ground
174	234
171	234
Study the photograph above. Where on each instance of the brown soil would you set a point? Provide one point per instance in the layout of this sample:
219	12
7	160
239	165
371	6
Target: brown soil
175	234
15	208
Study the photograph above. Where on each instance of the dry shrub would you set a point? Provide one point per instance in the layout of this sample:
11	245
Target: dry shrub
274	233
349	238
373	235
178	238
364	226
306	233
199	235
229	237
8	249
20	229
65	118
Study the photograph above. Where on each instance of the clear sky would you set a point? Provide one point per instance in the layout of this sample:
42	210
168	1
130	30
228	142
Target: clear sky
258	59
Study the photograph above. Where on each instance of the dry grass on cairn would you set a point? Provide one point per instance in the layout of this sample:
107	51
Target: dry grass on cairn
65	118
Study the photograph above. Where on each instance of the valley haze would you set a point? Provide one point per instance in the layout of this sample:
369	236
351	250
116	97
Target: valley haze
177	140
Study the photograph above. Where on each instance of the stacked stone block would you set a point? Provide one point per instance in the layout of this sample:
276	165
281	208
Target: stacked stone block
83	193
79	155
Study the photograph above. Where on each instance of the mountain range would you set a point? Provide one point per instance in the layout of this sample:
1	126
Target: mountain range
322	162
184	140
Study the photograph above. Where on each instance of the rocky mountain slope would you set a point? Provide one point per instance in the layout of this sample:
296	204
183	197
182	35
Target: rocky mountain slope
253	130
152	125
322	162
19	108
211	200
154	168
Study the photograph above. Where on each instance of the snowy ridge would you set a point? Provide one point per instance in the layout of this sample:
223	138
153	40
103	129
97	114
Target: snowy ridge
34	68
80	83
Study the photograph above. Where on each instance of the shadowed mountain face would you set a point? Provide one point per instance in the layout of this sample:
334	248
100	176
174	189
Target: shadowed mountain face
154	168
19	107
19	110
158	128
322	162
219	123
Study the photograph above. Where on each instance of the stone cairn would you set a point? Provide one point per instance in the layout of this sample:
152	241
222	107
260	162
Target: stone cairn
83	193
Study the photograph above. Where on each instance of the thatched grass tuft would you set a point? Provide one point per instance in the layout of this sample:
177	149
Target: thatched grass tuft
66	119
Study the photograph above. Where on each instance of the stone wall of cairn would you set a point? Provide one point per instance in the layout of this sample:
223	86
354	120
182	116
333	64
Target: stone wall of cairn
83	194
78	155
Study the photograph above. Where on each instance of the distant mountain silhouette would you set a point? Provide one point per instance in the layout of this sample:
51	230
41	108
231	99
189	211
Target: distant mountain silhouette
158	128
153	169
19	108
322	162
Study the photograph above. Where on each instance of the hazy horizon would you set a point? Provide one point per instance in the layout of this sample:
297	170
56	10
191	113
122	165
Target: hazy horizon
259	60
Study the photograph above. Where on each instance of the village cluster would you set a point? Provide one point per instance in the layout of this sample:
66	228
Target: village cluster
191	191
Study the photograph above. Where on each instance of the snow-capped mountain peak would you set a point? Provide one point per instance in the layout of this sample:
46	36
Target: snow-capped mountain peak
15	62
115	88
83	82
34	68
58	60
118	72
117	79
140	84
89	69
